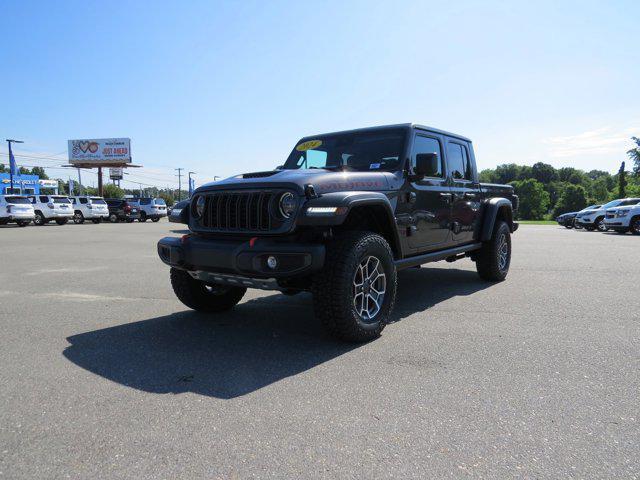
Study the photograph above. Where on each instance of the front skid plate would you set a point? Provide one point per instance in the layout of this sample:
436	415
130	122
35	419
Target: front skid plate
236	280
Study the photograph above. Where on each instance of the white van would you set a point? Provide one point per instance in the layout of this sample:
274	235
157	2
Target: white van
89	208
51	207
16	208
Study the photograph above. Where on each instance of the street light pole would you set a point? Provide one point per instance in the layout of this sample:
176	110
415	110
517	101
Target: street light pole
12	161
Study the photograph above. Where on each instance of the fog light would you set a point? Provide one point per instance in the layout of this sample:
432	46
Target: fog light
272	262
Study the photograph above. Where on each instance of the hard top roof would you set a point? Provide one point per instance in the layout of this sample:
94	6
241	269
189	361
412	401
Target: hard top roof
398	125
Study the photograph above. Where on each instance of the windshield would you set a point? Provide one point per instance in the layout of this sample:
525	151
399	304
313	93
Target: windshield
361	151
61	200
98	201
611	204
17	200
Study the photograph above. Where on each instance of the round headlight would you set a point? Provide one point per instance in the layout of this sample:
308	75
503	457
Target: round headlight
199	210
287	204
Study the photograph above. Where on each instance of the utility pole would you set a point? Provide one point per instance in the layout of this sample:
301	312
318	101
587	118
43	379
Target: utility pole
190	191
79	180
179	181
12	162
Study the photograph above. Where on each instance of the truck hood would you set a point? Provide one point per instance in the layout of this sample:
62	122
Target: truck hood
324	181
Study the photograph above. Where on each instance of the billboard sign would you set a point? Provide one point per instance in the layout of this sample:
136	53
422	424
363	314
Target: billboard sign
115	173
100	151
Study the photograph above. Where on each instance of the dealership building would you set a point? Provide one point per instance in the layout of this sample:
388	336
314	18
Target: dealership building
27	185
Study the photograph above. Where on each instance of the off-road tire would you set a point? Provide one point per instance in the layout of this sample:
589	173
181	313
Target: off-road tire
634	226
39	219
78	217
487	258
198	296
334	290
62	221
143	217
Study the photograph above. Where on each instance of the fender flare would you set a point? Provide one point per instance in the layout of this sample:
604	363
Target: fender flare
491	209
350	200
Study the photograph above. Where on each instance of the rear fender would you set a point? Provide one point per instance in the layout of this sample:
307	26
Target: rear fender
494	208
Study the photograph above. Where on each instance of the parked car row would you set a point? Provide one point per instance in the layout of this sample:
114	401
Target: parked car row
622	216
42	209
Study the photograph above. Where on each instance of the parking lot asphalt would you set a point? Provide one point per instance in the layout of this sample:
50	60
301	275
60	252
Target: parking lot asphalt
104	374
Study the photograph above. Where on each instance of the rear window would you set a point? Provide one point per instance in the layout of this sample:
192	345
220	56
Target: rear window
145	201
98	201
17	200
61	200
159	201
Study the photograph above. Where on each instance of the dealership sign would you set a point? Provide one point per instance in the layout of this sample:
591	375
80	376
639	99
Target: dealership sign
115	173
100	150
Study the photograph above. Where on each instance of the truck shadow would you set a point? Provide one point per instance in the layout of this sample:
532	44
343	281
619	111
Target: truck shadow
260	342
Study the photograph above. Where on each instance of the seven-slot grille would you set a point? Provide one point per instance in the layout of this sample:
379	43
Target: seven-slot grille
239	211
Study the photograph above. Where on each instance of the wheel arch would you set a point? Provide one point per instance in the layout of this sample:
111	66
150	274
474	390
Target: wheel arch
496	209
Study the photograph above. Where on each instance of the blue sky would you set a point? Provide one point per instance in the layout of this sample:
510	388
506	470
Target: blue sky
228	87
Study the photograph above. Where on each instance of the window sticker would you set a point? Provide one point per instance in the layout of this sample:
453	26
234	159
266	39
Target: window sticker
374	166
308	145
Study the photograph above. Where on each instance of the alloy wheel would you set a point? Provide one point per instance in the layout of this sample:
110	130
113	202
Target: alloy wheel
369	288
503	252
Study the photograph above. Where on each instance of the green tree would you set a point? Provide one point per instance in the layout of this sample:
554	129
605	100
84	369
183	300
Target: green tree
634	154
3	168
600	190
168	199
111	191
534	200
507	173
488	176
40	172
544	173
622	182
572	199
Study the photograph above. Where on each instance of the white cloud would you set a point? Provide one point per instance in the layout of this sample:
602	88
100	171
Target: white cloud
602	141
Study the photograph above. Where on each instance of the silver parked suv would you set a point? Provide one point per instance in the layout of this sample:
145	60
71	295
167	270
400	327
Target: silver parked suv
150	208
593	219
625	217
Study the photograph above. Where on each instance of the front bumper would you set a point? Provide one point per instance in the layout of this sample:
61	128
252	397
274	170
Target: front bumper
583	223
245	258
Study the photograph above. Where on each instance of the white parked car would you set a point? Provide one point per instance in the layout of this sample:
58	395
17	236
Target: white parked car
89	208
624	218
150	208
16	208
51	207
592	219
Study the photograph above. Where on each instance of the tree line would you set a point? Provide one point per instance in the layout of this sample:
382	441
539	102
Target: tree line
545	191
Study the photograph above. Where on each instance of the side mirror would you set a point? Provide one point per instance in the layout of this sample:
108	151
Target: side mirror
427	165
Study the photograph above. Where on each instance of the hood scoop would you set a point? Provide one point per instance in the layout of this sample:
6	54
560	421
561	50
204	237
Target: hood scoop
259	174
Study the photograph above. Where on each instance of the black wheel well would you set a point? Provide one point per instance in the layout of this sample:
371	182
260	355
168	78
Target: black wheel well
505	214
372	218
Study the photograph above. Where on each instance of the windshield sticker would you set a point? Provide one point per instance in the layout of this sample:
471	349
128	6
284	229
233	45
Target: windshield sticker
308	145
374	166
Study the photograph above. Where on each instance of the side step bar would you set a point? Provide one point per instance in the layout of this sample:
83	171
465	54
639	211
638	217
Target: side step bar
435	256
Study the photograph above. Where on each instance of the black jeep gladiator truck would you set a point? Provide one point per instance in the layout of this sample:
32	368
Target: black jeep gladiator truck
340	218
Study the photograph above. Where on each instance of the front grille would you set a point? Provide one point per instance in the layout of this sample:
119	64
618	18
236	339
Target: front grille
240	211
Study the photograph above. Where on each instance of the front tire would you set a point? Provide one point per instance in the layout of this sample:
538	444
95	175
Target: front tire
634	226
600	225
494	258
38	219
199	296
354	294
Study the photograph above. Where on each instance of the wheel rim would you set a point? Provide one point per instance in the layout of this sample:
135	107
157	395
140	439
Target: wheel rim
369	288
601	226
636	226
503	252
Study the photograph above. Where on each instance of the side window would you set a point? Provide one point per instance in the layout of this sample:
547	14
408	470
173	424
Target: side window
43	199
83	200
458	161
427	145
313	158
468	169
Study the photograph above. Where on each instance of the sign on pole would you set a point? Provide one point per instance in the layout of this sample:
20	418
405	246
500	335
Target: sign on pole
100	151
115	173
